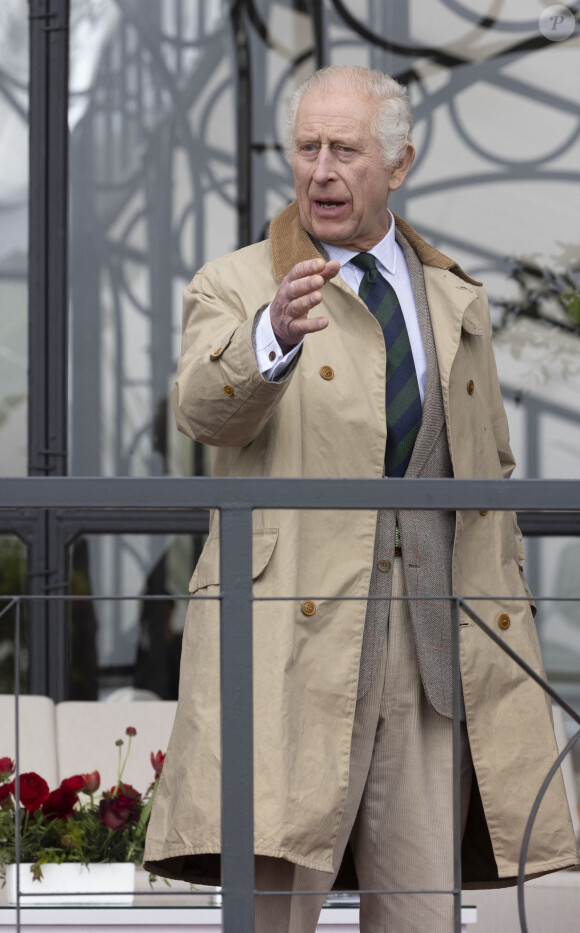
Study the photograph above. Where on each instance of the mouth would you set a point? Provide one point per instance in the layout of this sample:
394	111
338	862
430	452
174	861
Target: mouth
329	207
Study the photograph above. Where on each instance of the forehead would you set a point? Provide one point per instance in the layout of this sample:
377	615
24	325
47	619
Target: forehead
334	113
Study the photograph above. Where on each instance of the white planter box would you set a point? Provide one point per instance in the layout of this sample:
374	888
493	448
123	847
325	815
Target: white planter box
110	883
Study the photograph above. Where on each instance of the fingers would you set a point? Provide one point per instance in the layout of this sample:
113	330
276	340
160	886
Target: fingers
299	292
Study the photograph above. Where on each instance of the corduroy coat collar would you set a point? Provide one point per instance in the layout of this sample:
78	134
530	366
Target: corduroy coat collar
291	244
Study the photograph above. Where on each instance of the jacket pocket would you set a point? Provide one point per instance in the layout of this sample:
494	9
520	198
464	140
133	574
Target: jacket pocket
207	572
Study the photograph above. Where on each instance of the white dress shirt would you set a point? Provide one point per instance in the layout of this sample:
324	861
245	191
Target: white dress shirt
393	267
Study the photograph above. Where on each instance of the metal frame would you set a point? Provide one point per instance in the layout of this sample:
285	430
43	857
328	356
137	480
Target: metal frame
52	512
236	498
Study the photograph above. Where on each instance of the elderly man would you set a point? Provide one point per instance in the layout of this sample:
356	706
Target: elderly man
392	374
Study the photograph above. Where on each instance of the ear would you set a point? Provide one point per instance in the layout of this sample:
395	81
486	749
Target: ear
401	170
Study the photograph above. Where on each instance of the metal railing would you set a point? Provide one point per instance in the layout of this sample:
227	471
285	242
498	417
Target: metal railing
236	498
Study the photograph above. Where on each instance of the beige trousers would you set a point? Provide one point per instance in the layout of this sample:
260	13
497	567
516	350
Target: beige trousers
398	813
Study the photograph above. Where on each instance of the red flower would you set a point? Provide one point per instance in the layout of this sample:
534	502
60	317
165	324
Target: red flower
60	803
5	794
157	762
33	790
120	807
92	782
130	730
6	769
73	784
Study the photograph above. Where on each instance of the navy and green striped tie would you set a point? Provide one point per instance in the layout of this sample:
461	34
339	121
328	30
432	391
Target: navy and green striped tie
403	402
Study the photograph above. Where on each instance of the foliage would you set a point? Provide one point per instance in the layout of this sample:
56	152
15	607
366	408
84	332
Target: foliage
545	294
68	824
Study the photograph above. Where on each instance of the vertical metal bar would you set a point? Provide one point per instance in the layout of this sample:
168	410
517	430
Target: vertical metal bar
47	303
17	756
58	612
317	13
48	228
37	259
244	123
36	633
456	769
236	719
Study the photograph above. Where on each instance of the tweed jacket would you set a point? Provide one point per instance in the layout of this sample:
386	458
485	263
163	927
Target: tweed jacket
428	534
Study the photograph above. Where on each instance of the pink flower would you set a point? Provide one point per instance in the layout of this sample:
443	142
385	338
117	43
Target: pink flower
157	762
33	790
73	784
60	803
92	782
6	769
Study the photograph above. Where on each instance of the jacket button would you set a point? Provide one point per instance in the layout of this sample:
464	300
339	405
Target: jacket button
504	620
384	566
327	372
272	355
229	391
470	387
483	511
308	607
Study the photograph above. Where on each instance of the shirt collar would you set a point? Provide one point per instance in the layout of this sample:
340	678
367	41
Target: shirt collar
384	251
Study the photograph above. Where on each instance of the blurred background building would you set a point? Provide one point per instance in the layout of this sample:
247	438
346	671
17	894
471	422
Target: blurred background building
176	116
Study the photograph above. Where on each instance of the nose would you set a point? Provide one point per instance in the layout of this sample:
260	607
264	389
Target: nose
324	168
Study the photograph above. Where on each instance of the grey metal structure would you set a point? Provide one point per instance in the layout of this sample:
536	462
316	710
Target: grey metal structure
236	499
118	165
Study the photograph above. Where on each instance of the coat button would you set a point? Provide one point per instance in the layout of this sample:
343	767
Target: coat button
384	566
308	607
483	511
327	372
229	391
504	620
470	387
272	355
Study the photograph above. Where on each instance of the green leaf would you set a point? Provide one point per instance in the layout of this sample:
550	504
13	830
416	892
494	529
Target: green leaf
573	310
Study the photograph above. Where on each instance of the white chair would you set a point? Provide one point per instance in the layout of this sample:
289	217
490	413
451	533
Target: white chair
86	733
37	735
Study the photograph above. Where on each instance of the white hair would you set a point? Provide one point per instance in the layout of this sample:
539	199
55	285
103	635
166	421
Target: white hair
392	120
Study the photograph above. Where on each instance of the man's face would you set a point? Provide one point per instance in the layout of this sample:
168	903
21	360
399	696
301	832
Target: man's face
341	182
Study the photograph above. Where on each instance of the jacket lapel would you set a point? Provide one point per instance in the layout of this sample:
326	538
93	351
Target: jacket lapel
433	419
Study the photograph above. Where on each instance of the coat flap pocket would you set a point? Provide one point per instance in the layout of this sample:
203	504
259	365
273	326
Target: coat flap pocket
471	324
223	344
207	572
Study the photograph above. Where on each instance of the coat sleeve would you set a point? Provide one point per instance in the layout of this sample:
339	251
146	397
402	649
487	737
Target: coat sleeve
220	397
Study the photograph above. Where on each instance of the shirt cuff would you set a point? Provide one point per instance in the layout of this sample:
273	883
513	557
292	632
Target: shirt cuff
272	363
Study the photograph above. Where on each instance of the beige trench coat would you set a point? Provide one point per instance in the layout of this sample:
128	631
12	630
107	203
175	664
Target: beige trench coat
306	666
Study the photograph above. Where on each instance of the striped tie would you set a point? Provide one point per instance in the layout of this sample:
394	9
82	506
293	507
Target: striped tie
403	402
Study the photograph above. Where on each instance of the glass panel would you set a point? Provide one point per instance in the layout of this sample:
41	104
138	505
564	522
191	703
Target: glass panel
13	564
152	176
128	643
13	237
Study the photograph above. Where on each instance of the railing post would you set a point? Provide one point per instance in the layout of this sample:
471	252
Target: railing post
237	739
456	617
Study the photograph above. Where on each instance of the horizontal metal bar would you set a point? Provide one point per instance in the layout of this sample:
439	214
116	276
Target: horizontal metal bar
215	492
